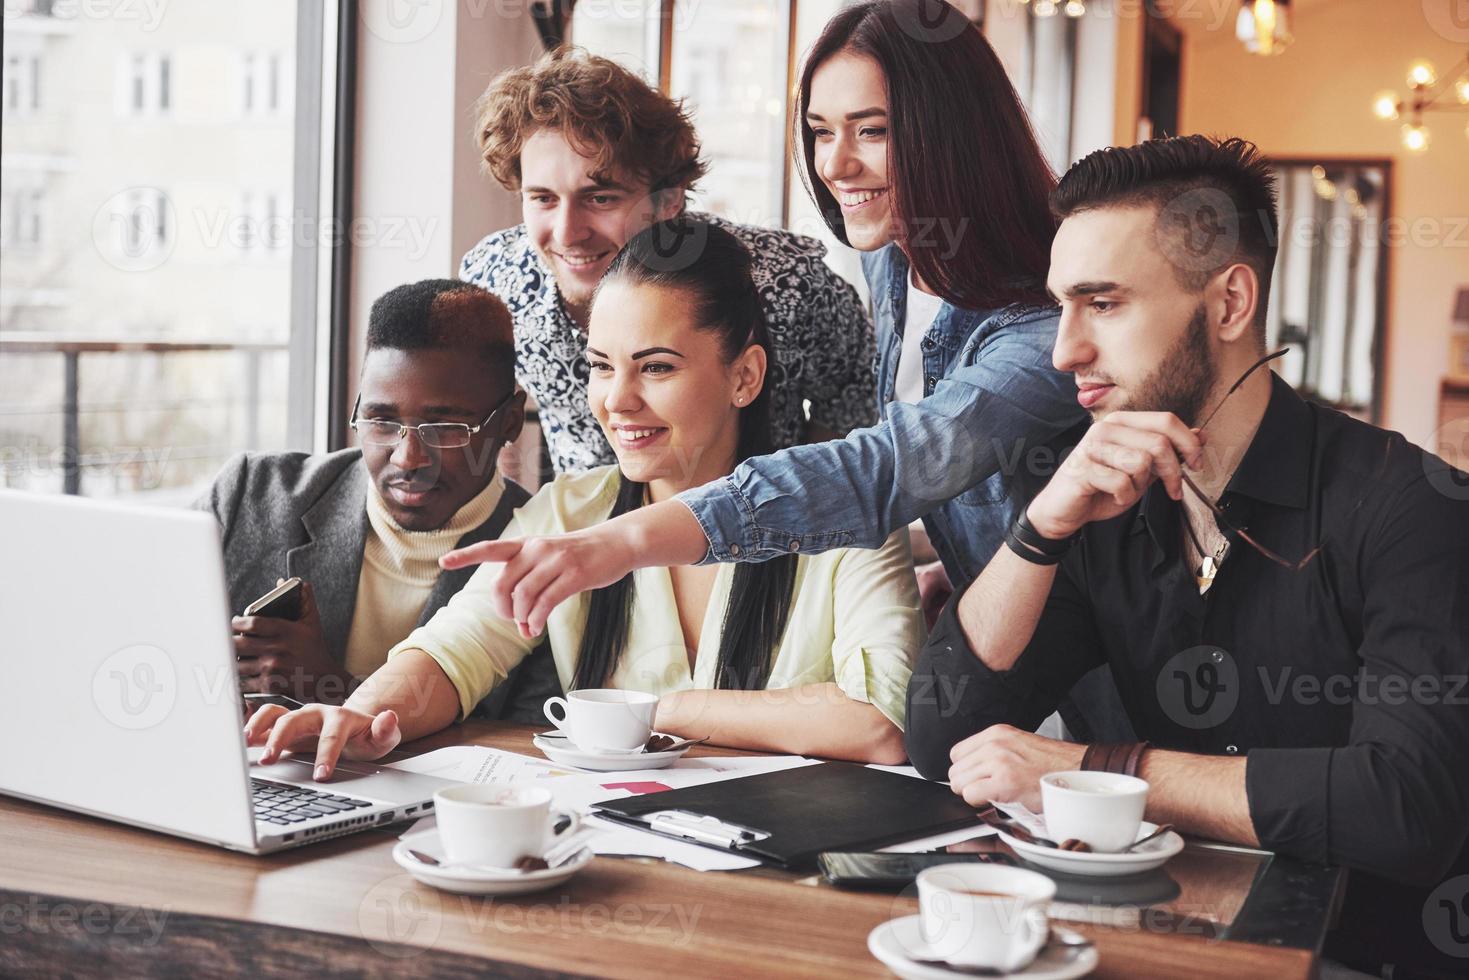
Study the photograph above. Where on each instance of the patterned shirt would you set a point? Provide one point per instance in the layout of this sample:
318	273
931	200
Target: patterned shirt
824	347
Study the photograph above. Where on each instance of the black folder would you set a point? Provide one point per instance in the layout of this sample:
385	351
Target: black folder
787	818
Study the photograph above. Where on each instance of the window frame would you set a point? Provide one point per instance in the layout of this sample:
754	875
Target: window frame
973	9
321	199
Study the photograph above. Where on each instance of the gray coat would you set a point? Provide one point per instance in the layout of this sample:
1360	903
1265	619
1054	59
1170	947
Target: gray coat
285	514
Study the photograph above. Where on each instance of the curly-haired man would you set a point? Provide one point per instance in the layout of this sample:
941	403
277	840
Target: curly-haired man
597	155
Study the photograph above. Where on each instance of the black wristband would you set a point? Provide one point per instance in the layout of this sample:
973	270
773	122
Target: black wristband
1028	553
1026	532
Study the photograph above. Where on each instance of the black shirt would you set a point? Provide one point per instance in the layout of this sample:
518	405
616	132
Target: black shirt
1344	683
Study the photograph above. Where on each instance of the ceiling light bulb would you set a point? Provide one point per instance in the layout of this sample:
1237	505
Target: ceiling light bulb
1422	74
1045	8
1075	8
1264	26
1415	137
1461	89
1385	105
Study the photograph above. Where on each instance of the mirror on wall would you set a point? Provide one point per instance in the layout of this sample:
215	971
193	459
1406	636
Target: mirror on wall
1327	296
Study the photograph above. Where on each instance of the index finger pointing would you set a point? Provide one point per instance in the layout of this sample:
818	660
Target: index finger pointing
479	554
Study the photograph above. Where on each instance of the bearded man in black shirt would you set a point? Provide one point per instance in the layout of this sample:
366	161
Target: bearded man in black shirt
1281	591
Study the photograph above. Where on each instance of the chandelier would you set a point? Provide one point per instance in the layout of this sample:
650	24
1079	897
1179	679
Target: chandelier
1426	90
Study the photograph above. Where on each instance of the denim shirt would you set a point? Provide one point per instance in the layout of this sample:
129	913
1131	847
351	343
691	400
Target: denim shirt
994	418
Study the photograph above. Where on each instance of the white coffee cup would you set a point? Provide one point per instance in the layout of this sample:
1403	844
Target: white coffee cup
605	719
983	915
497	825
1104	809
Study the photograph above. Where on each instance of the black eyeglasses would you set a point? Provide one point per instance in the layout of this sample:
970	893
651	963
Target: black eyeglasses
435	435
1213	505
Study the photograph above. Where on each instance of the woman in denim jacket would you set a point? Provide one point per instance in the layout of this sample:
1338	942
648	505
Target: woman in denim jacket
951	213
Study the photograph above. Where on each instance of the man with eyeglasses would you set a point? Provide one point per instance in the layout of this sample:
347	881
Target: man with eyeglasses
1281	591
364	528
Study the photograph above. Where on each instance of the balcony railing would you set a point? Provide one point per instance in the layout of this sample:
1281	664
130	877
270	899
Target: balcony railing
71	350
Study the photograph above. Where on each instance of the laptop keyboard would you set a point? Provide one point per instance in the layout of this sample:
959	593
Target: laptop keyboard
283	804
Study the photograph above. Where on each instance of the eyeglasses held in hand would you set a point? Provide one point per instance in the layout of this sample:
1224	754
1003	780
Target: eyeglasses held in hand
434	435
1213	505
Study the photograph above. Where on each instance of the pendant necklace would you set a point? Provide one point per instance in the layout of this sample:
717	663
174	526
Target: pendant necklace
1210	568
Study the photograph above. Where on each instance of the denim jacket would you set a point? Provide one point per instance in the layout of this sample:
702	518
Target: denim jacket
993	421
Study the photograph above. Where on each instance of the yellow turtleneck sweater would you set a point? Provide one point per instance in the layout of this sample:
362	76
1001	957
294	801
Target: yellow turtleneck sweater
399	571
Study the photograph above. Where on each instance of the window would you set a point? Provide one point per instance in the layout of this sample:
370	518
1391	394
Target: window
261	77
23	223
257	228
1327	291
626	32
732	63
22	84
137	352
146	84
1047	92
729	62
141	220
163	66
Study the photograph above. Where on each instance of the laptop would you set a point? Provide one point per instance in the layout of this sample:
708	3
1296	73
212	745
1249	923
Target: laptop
120	697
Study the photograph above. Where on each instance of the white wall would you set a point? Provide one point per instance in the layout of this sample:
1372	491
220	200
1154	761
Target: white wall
420	199
1315	100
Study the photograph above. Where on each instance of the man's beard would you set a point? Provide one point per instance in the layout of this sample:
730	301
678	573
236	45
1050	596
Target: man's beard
1185	377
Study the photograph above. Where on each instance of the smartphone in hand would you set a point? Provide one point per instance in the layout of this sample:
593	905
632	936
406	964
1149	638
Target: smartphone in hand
281	602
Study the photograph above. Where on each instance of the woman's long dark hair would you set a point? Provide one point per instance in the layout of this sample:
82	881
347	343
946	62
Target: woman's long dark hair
960	151
711	268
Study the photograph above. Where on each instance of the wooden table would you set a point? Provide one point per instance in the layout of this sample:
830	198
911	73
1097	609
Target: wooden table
88	896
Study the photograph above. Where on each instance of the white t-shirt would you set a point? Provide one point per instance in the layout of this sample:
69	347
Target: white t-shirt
922	308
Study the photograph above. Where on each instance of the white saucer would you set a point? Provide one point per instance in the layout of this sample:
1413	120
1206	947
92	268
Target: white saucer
897	941
565	752
468	881
1153	854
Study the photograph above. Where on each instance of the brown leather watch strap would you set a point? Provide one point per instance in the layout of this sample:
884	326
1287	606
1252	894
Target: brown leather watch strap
1119	757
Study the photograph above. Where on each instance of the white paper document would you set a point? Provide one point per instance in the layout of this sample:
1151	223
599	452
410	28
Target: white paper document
577	789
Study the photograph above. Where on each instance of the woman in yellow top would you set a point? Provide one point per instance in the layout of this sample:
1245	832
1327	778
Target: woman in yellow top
804	653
